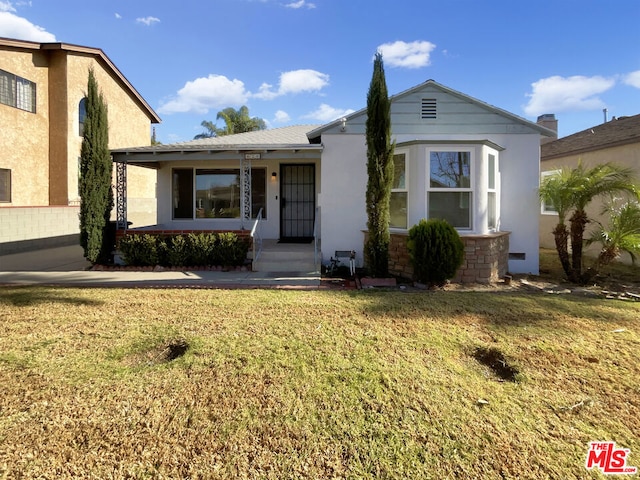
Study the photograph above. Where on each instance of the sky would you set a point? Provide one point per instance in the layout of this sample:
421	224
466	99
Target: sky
295	62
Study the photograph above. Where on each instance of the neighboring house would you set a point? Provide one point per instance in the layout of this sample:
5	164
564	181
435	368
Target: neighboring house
42	91
456	158
616	141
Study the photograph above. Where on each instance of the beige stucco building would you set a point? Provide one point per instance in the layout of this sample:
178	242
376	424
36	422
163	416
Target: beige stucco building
616	141
42	86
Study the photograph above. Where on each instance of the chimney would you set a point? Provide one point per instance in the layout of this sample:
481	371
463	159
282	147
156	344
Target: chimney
549	121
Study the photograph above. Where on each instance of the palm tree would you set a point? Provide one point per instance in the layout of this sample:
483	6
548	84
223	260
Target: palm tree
571	190
623	234
587	184
556	191
236	121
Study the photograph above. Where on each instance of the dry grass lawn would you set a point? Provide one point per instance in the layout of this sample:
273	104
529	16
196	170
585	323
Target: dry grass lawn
108	383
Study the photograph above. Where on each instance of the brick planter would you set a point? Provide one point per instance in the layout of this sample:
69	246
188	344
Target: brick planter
486	257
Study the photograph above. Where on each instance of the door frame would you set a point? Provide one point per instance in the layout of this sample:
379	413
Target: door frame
283	200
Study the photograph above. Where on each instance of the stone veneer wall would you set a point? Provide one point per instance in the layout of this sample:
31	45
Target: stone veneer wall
486	257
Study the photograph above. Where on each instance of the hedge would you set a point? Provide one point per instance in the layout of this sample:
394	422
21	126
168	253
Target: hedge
193	249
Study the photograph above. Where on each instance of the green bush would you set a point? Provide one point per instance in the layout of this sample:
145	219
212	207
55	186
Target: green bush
194	249
230	249
436	251
139	249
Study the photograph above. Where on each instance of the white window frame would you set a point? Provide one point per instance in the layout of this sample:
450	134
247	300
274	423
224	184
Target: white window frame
492	190
472	180
405	190
543	207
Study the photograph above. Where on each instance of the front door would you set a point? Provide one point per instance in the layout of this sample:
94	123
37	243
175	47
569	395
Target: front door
297	202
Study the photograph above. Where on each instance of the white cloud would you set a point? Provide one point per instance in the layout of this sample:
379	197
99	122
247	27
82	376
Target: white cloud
13	26
203	94
281	117
327	113
295	81
6	7
300	4
632	79
148	21
407	55
118	16
562	94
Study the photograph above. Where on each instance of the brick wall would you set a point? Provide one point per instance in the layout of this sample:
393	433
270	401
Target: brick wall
486	257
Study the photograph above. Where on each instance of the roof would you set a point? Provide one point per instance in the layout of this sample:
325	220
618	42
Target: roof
620	131
99	54
291	140
313	135
293	135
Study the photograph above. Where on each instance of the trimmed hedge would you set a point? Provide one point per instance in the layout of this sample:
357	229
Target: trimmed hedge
436	251
193	249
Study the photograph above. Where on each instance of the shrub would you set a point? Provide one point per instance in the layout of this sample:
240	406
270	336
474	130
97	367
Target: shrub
178	253
230	249
195	249
139	249
436	251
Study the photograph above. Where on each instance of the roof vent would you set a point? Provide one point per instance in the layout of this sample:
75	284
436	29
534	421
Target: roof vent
428	108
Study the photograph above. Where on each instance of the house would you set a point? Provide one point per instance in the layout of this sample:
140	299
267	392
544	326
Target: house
42	91
616	141
456	158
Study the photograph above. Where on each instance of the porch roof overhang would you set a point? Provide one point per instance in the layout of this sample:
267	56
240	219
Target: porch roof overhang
153	157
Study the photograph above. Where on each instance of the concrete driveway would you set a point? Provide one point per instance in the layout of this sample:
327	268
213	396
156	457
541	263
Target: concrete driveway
57	259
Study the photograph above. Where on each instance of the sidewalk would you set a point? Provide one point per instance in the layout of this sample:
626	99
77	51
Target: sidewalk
66	266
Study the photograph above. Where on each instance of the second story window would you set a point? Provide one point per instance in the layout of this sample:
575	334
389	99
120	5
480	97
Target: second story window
17	92
82	115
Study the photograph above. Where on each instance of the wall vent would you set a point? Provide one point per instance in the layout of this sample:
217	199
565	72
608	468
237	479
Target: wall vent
428	108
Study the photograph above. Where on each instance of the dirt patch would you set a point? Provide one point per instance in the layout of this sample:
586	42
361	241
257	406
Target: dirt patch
165	353
496	361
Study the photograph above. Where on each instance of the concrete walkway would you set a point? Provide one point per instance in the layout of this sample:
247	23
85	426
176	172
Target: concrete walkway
66	266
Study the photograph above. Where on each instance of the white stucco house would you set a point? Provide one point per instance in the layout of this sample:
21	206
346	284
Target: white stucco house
456	158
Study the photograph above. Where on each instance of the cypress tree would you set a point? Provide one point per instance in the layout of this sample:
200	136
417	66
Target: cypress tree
379	170
96	195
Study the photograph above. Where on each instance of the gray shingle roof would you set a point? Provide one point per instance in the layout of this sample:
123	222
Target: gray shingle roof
620	131
293	135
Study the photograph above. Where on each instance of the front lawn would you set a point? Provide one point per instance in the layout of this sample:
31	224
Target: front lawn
153	383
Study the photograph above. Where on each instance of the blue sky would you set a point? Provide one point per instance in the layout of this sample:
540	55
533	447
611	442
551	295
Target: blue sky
310	61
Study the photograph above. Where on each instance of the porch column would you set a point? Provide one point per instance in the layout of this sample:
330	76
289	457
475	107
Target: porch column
121	195
245	191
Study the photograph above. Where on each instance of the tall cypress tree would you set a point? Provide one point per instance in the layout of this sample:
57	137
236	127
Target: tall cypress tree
96	195
380	171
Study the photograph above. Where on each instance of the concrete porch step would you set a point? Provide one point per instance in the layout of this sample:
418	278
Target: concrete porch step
278	257
286	266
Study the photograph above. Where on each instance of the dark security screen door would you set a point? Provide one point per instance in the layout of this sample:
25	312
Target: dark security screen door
297	202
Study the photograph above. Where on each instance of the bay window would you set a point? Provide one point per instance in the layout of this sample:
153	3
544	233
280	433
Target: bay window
398	201
449	192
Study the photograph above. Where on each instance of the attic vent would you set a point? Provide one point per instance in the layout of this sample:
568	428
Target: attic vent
428	108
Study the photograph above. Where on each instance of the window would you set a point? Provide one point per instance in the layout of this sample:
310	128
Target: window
218	193
5	185
449	197
82	115
398	202
17	92
182	195
492	206
547	207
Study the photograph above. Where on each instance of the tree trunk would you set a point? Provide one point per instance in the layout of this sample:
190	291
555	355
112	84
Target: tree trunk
579	222
561	236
